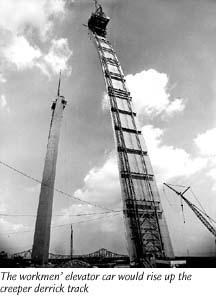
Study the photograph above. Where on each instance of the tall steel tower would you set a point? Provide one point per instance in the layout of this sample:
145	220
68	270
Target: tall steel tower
147	232
40	250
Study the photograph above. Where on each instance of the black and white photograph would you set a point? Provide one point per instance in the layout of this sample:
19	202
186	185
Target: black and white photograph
108	134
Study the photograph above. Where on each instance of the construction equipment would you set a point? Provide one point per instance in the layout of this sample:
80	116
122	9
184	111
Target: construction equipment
202	216
147	233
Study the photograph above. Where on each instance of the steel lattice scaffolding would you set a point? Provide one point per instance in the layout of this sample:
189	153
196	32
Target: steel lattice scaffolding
147	232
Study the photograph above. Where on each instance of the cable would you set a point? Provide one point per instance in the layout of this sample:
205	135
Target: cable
177	186
202	209
80	222
20	172
197	199
167	199
57	226
205	214
60	215
57	190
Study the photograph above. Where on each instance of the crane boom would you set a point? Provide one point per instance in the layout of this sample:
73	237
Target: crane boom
195	209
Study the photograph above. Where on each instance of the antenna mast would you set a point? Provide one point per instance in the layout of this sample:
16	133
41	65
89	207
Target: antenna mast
59	84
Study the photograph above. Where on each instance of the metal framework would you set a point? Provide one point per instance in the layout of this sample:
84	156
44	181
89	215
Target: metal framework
198	212
101	253
147	232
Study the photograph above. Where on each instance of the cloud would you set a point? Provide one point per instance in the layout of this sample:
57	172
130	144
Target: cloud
4	104
168	161
72	213
19	32
8	241
212	173
35	13
7	226
206	142
81	213
25	56
149	90
3	101
57	58
21	53
101	184
175	106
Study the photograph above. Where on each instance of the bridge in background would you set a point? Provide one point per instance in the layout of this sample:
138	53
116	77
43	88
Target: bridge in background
101	257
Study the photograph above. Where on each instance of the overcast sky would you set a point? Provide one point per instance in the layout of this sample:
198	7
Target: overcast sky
167	51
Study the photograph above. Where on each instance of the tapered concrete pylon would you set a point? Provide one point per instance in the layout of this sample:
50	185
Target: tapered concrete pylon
40	250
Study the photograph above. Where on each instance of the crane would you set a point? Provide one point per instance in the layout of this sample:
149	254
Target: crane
202	216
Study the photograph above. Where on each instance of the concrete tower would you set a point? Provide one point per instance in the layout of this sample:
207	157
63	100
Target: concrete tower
40	250
147	232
